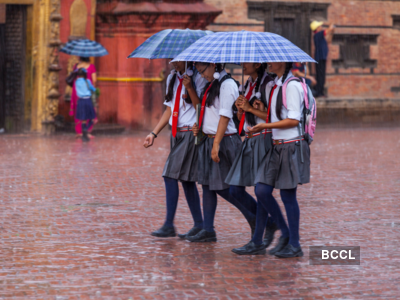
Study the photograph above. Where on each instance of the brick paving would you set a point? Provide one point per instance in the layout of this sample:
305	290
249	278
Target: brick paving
75	221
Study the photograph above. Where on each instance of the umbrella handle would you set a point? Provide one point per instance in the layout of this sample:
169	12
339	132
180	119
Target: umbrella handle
242	79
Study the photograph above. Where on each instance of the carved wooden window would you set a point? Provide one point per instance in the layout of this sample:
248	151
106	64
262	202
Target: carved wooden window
354	51
396	21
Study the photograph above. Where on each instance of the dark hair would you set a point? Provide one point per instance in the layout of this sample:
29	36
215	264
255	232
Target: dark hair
250	118
289	66
84	59
214	90
170	94
82	73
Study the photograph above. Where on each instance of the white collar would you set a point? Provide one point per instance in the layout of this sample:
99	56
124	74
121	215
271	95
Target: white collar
222	74
278	81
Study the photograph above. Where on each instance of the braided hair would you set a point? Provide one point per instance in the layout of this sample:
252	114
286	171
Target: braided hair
279	102
214	90
170	94
250	118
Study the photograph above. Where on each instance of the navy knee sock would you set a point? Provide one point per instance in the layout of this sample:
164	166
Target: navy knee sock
209	208
262	217
293	215
244	201
265	198
172	193
193	200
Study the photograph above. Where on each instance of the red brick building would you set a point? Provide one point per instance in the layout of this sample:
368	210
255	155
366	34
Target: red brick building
363	77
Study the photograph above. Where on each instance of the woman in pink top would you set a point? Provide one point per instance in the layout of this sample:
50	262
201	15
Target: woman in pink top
91	75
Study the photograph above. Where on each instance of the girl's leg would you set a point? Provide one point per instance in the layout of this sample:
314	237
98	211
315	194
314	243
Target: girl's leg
209	208
249	215
248	203
262	217
78	126
193	200
293	214
172	194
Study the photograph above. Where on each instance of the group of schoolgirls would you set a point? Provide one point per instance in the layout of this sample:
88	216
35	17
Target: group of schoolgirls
272	154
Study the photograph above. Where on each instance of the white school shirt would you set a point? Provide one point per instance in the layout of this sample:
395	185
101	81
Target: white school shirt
295	105
187	112
257	119
222	106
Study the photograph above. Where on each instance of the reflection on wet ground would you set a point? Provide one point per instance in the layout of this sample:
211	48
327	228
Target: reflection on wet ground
75	221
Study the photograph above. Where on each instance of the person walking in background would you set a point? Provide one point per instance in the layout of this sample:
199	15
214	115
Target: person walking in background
84	111
298	70
92	77
322	37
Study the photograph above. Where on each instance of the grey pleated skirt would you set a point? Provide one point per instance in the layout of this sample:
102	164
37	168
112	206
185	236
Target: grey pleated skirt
244	169
282	167
214	174
182	160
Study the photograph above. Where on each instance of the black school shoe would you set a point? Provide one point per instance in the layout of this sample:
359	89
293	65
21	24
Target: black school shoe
250	249
203	236
269	234
85	136
164	232
289	251
191	232
281	244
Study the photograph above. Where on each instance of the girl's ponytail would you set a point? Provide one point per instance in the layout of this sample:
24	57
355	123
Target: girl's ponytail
170	94
279	103
214	90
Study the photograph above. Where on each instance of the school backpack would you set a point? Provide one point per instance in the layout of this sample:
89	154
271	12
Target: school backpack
308	122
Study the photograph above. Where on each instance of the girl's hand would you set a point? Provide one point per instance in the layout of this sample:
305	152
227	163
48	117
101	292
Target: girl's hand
259	105
245	106
195	129
187	82
214	153
258	128
148	142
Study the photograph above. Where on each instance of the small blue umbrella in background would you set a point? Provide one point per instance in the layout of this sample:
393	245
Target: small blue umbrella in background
84	48
168	43
243	47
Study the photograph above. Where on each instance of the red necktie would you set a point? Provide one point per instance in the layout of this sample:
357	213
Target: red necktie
269	102
175	113
203	104
249	93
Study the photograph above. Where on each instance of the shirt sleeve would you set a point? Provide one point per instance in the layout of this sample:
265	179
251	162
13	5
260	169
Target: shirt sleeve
294	99
228	94
91	87
166	92
200	84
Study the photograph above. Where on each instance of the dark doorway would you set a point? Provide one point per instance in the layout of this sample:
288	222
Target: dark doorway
12	68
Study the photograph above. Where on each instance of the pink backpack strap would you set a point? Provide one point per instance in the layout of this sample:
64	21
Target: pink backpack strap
304	86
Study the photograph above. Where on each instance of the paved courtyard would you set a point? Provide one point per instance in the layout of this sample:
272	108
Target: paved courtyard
75	221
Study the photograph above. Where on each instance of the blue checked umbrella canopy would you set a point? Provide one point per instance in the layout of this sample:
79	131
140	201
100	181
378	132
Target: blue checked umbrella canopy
168	43
243	46
84	48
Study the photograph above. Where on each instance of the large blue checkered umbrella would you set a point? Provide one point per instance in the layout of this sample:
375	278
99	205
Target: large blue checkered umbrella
243	46
168	43
84	48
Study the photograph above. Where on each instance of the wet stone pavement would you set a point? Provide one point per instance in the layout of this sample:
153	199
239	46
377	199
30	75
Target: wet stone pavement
75	223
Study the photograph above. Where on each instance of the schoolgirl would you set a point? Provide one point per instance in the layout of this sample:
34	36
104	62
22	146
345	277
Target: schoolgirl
251	111
220	147
181	164
85	110
282	167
